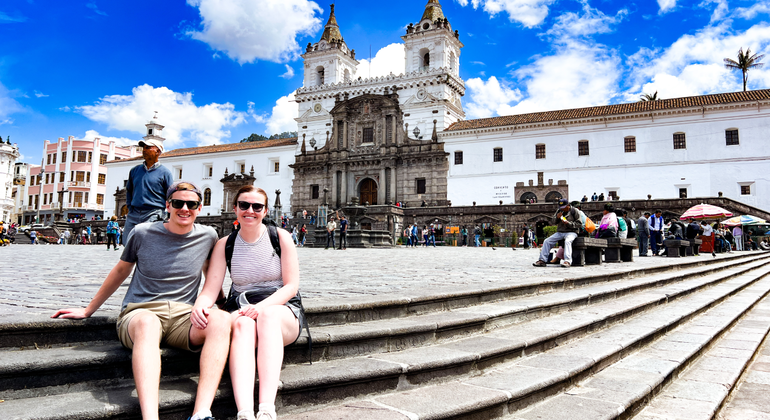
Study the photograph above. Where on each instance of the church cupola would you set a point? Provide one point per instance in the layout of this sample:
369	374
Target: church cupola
329	60
154	129
431	44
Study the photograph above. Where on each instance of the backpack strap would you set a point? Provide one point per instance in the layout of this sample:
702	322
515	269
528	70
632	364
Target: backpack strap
274	241
229	247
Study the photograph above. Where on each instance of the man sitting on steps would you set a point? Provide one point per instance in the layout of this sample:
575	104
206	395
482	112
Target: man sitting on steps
568	223
158	307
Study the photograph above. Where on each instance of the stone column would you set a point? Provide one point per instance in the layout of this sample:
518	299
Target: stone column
393	184
344	186
381	188
334	188
345	135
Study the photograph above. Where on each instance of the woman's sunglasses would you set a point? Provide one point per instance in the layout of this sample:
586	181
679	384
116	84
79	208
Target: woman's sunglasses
244	205
178	204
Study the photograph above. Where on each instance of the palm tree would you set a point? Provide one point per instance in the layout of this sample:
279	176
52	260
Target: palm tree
647	97
745	62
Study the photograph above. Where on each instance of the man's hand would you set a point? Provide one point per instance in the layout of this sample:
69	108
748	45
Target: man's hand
71	313
200	317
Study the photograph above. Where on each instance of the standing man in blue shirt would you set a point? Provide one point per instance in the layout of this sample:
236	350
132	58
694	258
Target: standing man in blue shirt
656	231
146	188
343	232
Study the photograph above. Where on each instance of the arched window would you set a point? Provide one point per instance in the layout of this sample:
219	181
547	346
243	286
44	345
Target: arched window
207	197
319	75
552	197
528	197
424	59
453	62
346	75
583	148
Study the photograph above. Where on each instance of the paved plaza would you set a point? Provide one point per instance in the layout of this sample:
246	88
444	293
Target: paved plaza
37	280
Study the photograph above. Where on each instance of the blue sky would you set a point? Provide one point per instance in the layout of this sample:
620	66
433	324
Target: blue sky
219	70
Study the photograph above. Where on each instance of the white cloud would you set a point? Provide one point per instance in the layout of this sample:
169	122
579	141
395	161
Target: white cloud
590	22
40	94
289	72
761	7
666	5
390	59
529	13
693	64
120	141
283	115
95	8
248	30
8	105
487	98
183	119
480	63
6	18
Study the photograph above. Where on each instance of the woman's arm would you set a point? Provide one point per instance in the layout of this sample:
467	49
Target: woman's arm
214	270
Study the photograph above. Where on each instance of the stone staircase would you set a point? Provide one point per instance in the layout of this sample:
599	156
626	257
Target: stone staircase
647	342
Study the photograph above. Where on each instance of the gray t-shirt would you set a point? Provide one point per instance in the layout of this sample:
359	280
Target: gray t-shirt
168	266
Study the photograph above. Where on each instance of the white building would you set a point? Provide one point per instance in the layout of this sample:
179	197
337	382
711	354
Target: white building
429	89
699	146
8	155
205	166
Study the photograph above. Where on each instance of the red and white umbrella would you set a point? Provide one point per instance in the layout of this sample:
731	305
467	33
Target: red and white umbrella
705	211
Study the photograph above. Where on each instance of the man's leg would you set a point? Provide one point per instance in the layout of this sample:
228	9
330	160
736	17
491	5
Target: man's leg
545	251
568	238
144	330
215	339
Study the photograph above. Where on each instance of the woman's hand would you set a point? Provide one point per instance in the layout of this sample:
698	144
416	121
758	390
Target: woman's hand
251	311
200	317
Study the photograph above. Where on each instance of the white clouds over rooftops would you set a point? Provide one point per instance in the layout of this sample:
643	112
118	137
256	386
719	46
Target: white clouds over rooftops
283	115
183	119
249	30
390	59
529	13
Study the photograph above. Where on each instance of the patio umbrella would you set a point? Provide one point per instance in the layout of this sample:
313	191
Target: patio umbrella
744	220
705	211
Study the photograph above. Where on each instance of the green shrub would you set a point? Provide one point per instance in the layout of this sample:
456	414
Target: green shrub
549	230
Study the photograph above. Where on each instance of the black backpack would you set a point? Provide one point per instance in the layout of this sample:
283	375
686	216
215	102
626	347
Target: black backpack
631	229
272	231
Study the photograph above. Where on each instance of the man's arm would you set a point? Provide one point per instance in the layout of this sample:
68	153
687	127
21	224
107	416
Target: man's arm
116	277
130	189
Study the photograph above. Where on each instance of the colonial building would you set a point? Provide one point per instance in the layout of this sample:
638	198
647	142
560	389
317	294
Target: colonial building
376	138
71	182
8	155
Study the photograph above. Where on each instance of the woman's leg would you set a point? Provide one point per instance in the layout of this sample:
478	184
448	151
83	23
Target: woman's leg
276	328
242	364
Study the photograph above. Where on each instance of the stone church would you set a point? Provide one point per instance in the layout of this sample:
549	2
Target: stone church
375	139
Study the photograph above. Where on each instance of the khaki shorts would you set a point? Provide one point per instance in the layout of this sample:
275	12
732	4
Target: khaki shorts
174	320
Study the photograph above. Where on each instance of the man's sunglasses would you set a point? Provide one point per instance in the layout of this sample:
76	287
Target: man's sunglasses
178	204
244	205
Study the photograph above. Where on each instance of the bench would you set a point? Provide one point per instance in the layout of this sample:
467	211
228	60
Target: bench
676	247
586	251
693	248
619	250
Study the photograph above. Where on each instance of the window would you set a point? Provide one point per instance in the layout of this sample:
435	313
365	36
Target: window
61	176
149	131
63	156
498	154
683	193
54	158
458	157
85	199
314	192
420	183
207	197
30	200
208	171
80	176
731	137
319	75
539	151
88	176
179	173
46	178
368	135
49	159
630	144
72	175
89	156
99	198
78	199
102	159
583	148
45	199
745	189
81	156
102	179
679	141
612	195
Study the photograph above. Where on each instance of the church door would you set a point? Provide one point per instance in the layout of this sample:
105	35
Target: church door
368	192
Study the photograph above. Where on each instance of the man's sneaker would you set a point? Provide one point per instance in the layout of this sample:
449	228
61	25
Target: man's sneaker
565	264
539	263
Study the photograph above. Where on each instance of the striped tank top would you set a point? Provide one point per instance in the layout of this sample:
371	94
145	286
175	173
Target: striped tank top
255	265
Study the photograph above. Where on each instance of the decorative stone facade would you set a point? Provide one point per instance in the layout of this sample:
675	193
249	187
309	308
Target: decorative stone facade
541	193
370	157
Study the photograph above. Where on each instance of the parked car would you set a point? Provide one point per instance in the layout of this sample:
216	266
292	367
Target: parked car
26	229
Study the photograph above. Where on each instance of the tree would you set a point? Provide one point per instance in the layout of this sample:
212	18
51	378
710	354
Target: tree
259	137
647	97
745	62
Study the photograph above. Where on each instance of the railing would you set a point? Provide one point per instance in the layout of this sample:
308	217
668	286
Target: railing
79	184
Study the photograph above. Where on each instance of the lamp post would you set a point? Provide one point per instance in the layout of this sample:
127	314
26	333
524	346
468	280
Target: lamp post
40	189
61	200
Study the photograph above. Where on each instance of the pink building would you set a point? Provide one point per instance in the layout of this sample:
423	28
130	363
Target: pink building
73	180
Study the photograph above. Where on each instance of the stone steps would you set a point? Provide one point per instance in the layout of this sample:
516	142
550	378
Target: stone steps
442	344
615	368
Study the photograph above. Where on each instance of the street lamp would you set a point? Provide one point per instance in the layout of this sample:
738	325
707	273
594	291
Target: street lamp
40	189
61	200
416	132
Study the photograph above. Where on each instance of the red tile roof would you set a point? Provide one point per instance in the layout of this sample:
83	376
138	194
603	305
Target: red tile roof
606	110
229	147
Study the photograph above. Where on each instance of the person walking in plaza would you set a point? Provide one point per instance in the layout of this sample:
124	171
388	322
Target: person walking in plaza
112	232
343	232
33	236
264	302
464	234
643	233
67	236
656	231
415	237
302	234
567	221
525	235
738	237
330	228
146	188
477	236
170	258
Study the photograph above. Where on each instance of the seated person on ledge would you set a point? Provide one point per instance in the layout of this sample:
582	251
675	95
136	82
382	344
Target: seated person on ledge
170	258
567	221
